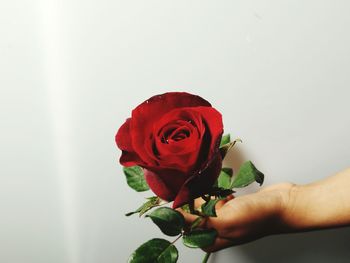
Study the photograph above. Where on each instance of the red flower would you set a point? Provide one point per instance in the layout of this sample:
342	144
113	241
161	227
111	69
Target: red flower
175	137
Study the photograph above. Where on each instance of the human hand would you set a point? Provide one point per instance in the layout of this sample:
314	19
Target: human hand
246	218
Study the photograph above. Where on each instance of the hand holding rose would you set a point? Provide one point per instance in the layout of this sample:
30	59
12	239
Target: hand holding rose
246	218
278	209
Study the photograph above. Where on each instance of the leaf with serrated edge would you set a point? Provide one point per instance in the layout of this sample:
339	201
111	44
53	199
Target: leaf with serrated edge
199	238
208	208
220	192
227	170
186	208
246	175
152	202
224	180
169	255
224	149
196	222
152	252
135	178
225	139
170	221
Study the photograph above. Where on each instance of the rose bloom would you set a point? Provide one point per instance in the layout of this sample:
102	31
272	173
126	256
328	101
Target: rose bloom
175	137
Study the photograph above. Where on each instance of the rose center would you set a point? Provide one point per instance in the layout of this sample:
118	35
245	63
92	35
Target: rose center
175	135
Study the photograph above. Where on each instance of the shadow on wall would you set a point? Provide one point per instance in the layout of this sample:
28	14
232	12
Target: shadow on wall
321	246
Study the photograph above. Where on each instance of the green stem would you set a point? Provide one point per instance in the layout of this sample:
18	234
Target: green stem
196	222
193	211
205	259
176	239
191	207
205	198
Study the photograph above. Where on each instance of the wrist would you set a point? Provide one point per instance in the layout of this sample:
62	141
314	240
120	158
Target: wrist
300	212
290	210
281	202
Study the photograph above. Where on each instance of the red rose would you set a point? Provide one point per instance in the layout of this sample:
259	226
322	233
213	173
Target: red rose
175	137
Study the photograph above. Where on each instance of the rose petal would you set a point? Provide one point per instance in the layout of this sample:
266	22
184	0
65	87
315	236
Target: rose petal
158	186
123	138
199	184
123	141
213	122
180	155
149	112
171	146
128	159
165	183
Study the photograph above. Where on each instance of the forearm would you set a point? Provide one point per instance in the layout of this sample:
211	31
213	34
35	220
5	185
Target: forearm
319	205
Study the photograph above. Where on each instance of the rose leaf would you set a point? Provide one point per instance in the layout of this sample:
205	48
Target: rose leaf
224	149
220	192
225	139
152	202
186	208
155	250
199	238
169	221
169	255
246	175
208	208
135	178
227	170
196	222
225	177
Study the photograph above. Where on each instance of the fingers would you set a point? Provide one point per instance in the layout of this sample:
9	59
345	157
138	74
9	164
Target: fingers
230	197
209	222
220	204
220	243
189	218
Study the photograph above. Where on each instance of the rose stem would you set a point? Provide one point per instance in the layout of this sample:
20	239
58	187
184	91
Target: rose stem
176	239
205	259
196	222
206	198
191	207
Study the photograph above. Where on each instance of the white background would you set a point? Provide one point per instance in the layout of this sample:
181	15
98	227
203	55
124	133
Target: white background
72	70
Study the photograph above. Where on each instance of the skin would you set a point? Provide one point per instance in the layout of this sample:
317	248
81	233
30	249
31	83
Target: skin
280	208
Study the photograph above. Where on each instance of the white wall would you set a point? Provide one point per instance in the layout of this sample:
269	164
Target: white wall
72	70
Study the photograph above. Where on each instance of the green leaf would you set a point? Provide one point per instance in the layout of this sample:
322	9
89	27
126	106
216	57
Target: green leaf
170	221
225	139
220	192
152	202
246	175
132	213
170	255
135	178
199	238
208	208
186	208
225	177
224	193
227	170
155	251
224	149
196	222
